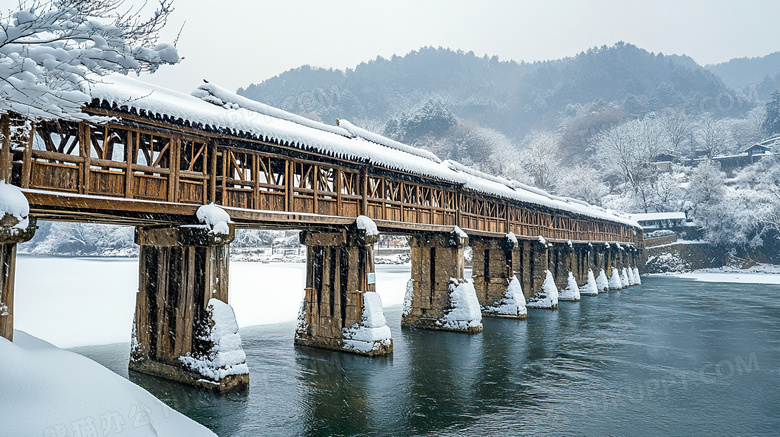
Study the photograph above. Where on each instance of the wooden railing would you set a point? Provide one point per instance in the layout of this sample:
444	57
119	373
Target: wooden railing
165	165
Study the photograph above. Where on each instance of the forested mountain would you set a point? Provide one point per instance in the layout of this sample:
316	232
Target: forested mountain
741	72
513	98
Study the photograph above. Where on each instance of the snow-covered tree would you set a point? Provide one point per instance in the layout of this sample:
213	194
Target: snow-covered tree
541	157
705	192
624	154
51	51
677	127
430	117
771	124
747	131
713	135
627	149
482	146
581	182
668	193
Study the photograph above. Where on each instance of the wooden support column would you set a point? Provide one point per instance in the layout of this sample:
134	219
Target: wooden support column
586	262
15	137
608	259
339	271
527	265
581	263
181	270
437	259
539	256
561	258
12	232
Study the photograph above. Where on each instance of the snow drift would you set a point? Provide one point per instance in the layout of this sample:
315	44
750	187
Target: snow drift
49	391
372	333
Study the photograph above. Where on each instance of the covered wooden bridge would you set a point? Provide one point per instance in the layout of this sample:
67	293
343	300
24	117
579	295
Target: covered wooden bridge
151	158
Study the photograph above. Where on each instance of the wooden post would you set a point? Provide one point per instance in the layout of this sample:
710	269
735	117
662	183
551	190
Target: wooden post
6	161
364	185
181	269
10	236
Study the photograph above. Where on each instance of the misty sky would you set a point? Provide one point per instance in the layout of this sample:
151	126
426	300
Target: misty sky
236	42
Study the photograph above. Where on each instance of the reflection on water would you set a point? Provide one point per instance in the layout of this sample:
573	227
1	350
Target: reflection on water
669	357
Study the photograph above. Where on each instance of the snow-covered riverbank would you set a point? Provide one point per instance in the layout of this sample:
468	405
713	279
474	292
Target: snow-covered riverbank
758	274
48	391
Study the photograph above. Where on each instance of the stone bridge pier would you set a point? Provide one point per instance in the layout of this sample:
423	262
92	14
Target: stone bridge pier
183	329
437	296
496	262
341	310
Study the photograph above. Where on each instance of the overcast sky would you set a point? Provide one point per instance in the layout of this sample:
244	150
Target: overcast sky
237	42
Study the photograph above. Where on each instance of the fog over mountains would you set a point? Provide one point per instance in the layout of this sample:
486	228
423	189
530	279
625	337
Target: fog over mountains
514	98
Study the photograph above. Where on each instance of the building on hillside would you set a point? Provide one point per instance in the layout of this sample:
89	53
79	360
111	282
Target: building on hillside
659	220
747	156
664	162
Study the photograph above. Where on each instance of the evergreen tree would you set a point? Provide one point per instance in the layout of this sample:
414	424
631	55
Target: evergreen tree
771	125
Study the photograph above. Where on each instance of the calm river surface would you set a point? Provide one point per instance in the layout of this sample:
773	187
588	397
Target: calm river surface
670	357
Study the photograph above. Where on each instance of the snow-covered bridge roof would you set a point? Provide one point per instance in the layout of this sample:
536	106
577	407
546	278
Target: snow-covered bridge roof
212	108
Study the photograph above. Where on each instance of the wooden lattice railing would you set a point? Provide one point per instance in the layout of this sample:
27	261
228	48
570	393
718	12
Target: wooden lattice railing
150	161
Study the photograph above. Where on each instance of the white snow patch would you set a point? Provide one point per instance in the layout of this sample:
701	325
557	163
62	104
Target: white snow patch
547	297
465	311
624	278
590	288
637	279
572	291
630	275
512	238
459	232
758	274
215	217
226	357
542	240
408	298
367	225
602	282
512	303
302	327
13	202
614	281
384	141
372	333
49	391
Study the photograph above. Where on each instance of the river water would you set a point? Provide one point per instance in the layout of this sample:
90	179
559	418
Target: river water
670	357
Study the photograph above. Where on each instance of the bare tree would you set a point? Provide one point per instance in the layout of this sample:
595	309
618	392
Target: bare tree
51	51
